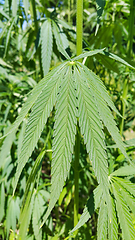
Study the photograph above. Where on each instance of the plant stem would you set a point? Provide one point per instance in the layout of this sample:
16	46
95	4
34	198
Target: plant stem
79	20
129	50
33	5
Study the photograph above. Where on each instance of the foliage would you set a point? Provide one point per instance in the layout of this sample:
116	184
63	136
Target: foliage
40	120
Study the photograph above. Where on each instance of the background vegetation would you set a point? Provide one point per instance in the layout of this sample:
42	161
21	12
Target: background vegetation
36	37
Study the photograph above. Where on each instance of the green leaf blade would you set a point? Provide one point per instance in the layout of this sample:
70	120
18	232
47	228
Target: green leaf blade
64	137
37	120
101	97
124	171
102	221
46	47
91	128
59	40
87	54
124	215
112	221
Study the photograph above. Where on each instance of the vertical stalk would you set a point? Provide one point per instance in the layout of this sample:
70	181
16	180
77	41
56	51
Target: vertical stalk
33	5
129	51
79	20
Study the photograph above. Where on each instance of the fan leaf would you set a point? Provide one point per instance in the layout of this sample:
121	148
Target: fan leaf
91	127
129	199
101	97
36	217
46	46
64	136
102	221
112	221
124	171
59	40
87	54
129	186
37	120
124	215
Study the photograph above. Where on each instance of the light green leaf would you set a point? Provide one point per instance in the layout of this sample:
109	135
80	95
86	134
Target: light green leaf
99	87
124	171
102	221
64	136
98	192
38	117
126	224
46	45
112	221
87	54
14	7
25	216
59	40
130	142
101	98
26	7
129	199
36	217
12	213
129	186
91	127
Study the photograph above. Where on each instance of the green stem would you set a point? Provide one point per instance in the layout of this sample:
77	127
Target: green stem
129	51
33	6
79	20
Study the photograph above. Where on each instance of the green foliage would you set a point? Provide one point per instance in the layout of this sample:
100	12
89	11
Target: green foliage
78	98
46	38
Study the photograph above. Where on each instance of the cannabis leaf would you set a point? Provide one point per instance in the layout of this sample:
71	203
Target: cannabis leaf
38	117
76	93
102	221
46	47
124	215
48	29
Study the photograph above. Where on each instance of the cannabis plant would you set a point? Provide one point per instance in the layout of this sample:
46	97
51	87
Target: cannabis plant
83	109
